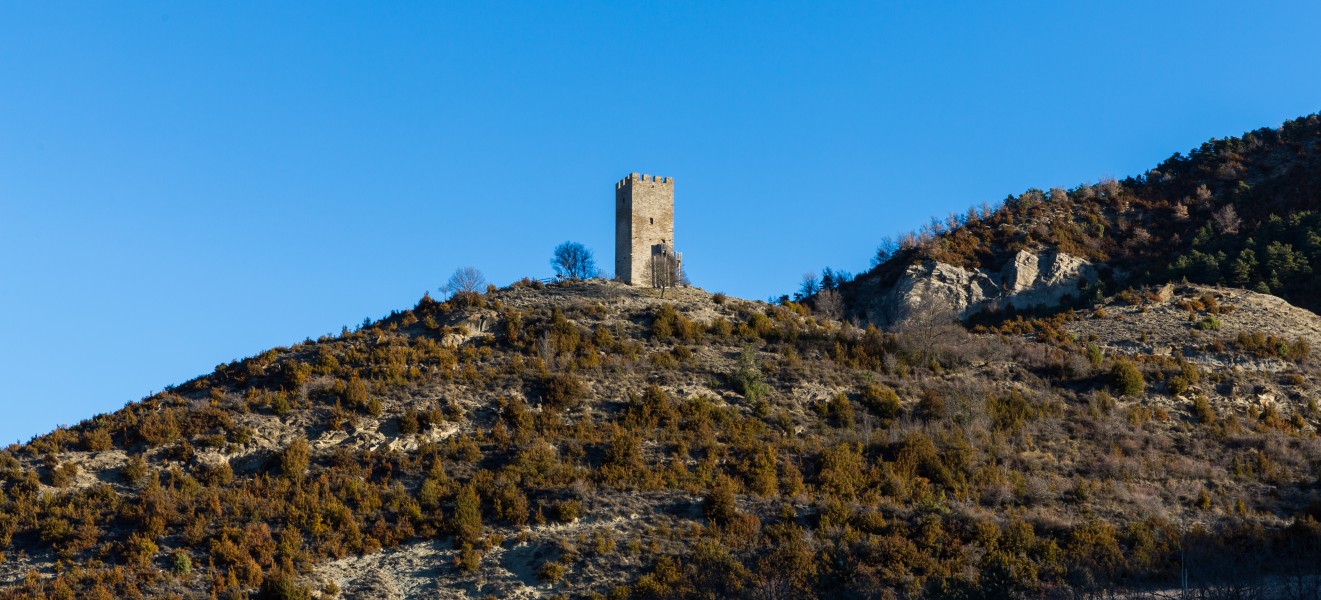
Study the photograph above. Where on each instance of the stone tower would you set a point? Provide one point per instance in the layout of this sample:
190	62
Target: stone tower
644	223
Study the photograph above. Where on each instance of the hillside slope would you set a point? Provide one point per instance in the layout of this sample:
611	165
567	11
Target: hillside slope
593	439
1239	212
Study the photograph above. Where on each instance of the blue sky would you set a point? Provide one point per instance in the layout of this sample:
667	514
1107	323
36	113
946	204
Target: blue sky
182	184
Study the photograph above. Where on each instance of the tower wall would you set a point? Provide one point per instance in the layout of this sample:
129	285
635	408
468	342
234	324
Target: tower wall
644	218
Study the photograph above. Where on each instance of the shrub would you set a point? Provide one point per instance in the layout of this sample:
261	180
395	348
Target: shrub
1011	411
139	550
664	322
1202	410
567	511
564	391
667	323
64	474
881	401
1126	378
468	516
135	470
1095	355
408	424
719	505
511	505
1299	350
1177	384
355	393
1210	323
279	403
843	470
159	429
932	405
219	474
180	564
551	571
294	459
469	558
279	586
97	440
839	411
747	378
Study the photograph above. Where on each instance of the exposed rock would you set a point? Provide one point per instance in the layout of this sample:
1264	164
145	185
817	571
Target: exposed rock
1026	281
1161	325
1031	279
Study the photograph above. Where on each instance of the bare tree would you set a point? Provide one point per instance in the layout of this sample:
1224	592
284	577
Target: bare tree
1226	220
465	284
574	261
829	304
666	268
930	326
1181	210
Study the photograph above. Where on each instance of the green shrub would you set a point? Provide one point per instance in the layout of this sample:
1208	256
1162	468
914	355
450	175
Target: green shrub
1202	410
1177	384
747	378
180	564
1126	378
278	402
1095	356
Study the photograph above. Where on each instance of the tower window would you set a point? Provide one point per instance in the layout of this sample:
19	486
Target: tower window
651	221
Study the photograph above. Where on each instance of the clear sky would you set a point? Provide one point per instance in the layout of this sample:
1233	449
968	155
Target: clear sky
182	184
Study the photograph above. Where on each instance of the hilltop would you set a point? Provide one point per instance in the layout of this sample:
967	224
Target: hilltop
1073	393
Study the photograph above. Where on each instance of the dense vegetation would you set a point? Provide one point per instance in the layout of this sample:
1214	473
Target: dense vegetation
1238	212
817	459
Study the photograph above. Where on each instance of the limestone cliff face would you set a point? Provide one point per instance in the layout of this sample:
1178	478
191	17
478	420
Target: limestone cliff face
1025	281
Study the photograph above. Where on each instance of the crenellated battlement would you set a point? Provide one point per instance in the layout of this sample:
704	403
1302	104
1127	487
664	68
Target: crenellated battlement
632	177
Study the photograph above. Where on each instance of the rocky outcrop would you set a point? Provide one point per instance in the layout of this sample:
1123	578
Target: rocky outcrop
1026	281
